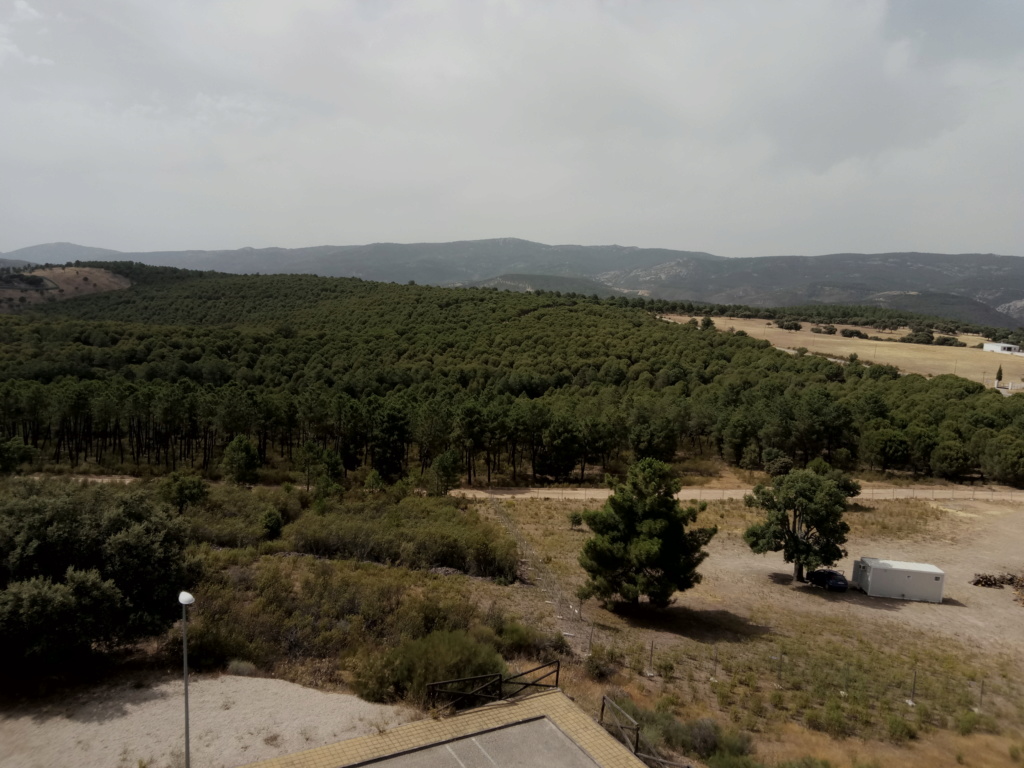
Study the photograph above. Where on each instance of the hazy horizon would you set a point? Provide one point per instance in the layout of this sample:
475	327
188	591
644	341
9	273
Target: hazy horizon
465	240
738	128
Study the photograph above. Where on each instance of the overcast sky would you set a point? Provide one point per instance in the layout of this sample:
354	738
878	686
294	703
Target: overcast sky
739	128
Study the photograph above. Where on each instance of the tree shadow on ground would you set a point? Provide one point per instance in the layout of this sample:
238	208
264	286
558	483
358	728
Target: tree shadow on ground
853	597
694	623
96	704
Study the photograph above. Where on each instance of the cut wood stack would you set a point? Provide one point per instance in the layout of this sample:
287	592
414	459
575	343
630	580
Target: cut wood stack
994	580
997	581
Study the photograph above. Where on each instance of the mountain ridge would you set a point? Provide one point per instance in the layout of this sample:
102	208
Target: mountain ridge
984	288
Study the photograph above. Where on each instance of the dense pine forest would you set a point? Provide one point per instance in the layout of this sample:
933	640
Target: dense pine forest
330	375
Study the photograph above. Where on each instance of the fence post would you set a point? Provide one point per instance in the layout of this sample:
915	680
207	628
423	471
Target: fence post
600	719
913	687
981	698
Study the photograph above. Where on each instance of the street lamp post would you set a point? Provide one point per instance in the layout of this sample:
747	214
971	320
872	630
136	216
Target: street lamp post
186	600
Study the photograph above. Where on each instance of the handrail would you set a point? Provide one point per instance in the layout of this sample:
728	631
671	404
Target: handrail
494	680
636	739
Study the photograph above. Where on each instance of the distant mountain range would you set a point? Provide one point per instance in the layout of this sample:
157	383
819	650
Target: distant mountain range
979	288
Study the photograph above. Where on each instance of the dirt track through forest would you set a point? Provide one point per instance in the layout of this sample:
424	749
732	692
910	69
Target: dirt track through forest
870	492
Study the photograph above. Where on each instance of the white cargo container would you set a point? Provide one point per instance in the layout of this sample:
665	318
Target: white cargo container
893	578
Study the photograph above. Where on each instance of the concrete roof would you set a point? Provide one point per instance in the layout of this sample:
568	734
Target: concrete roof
543	729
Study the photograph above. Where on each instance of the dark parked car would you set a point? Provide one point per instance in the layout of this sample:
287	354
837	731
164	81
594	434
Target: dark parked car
828	579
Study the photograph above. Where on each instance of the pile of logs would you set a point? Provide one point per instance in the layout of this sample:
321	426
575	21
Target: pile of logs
998	581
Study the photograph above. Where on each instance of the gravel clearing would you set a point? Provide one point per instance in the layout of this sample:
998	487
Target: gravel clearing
234	721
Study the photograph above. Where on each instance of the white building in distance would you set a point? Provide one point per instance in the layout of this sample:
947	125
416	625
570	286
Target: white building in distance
997	346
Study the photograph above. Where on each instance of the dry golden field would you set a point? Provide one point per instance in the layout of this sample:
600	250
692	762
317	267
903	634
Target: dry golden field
973	364
62	283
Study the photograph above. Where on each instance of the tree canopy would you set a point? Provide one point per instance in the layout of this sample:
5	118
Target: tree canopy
803	517
641	546
327	375
81	566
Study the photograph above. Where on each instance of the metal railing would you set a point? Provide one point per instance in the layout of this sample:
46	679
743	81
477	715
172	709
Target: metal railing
627	730
481	689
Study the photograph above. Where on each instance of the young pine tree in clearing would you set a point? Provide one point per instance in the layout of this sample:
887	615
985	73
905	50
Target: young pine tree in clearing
641	545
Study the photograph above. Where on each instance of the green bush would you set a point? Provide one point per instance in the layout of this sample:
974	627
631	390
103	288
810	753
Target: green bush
703	738
899	729
404	672
416	533
602	662
83	568
969	722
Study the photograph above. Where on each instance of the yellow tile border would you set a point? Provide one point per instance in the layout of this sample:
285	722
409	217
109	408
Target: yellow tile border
604	749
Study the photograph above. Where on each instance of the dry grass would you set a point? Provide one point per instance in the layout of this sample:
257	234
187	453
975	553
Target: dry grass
886	519
973	364
844	677
63	283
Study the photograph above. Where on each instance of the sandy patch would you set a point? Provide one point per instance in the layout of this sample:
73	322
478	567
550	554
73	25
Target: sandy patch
234	721
62	283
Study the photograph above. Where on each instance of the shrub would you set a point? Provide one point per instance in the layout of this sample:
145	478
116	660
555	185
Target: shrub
602	662
899	729
416	533
83	568
665	667
404	672
969	722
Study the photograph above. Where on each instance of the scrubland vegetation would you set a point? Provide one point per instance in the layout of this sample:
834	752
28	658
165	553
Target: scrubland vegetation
295	437
327	591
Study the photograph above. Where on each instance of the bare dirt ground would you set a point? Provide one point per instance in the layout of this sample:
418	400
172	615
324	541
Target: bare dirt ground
976	537
63	283
928	360
234	721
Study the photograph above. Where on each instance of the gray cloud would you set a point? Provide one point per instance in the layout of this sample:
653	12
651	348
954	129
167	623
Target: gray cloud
741	128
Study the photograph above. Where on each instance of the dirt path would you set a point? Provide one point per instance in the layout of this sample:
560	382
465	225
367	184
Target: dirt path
234	721
869	492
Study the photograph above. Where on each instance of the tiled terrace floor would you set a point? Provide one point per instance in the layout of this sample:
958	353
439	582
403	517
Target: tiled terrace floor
546	729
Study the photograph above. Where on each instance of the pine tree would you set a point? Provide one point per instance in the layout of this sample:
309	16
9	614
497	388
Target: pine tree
641	545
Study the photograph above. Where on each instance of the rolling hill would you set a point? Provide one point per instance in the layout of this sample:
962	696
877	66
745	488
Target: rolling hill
980	288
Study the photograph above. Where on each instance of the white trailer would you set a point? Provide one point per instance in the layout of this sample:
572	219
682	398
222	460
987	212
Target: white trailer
893	578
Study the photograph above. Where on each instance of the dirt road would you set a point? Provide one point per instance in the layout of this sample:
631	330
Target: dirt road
869	492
